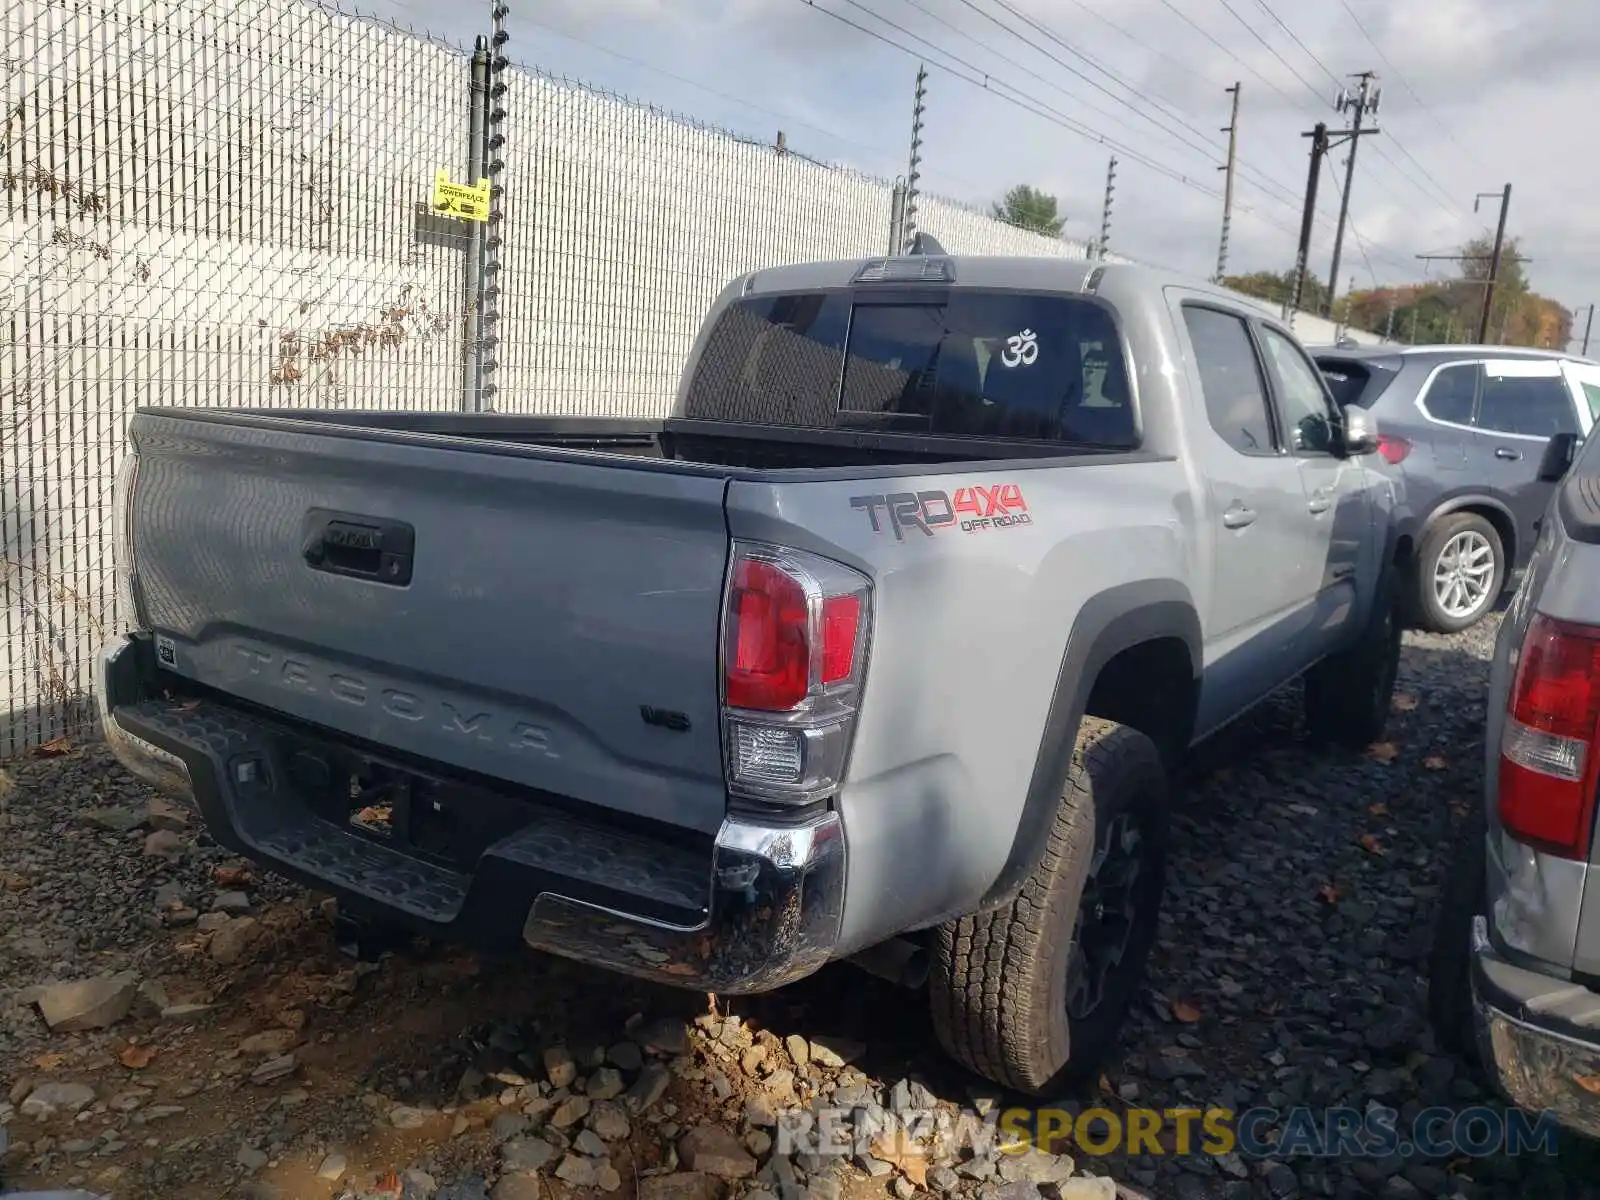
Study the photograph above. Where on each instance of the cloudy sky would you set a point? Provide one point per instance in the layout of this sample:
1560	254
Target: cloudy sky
1475	94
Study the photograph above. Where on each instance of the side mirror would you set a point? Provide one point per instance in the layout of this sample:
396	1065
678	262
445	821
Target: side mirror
1360	432
1559	453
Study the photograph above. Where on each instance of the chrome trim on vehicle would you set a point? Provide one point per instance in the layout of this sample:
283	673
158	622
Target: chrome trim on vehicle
1540	1070
777	902
160	768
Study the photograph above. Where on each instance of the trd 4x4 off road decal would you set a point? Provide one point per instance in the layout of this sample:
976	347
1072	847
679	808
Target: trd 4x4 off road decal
971	509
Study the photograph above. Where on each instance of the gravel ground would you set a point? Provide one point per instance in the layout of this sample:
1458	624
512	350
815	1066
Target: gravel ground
243	1058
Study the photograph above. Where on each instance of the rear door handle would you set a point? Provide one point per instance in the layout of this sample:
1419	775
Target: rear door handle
1238	516
1319	503
1507	452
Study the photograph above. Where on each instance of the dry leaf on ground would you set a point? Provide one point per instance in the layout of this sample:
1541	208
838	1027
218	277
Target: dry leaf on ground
1404	702
1371	844
1379	809
1185	1012
1384	752
49	1061
137	1058
1329	893
904	1155
232	876
1435	762
1589	1083
54	748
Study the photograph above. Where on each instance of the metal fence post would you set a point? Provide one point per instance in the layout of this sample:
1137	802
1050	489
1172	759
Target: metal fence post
897	218
472	356
494	239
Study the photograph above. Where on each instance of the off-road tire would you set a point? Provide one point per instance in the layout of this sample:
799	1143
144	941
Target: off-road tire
998	985
1450	959
1348	694
1426	613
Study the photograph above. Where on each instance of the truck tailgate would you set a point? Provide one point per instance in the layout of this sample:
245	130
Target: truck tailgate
547	620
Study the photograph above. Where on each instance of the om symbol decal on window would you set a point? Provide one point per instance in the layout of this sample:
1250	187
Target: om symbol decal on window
1022	349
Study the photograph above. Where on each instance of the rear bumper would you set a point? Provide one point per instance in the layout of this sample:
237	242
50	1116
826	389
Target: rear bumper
755	907
1538	1036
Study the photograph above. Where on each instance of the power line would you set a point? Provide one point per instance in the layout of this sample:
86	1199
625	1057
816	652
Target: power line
1011	62
1265	7
1401	80
1030	104
1264	181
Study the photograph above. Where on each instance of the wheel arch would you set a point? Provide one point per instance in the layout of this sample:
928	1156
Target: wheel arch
1146	631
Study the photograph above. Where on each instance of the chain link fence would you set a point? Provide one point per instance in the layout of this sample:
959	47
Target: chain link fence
230	206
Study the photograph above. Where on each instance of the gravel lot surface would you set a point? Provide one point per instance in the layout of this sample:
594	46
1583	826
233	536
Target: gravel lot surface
244	1058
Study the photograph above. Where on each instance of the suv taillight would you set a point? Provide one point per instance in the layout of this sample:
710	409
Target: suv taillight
1393	449
1548	764
794	647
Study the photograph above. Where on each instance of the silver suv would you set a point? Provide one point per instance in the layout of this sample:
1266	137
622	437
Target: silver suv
1515	974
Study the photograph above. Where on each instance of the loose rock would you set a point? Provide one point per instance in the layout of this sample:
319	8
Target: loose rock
714	1151
88	1003
46	1100
684	1185
527	1154
229	943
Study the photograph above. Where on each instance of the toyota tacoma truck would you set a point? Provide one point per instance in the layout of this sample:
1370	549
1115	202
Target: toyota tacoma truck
881	647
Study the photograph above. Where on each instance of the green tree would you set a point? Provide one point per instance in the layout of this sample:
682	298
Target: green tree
1029	208
1276	287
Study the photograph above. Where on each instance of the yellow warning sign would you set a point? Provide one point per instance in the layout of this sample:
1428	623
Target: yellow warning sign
460	199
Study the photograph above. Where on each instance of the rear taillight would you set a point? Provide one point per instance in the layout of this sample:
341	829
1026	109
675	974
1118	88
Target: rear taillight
794	648
1548	765
1393	449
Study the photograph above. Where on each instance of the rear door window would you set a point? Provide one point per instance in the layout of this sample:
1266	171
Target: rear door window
1526	404
965	363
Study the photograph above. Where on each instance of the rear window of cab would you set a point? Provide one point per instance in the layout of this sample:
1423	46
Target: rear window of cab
966	362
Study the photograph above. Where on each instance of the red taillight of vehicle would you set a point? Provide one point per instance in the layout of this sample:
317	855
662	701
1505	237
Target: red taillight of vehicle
770	664
841	625
794	651
1548	763
1394	449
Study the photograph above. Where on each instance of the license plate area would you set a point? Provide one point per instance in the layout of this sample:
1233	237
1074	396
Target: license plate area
445	820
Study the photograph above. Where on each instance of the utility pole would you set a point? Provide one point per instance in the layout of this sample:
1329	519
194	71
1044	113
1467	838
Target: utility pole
1587	326
1105	207
908	226
1364	101
1319	147
1227	191
1494	260
1388	325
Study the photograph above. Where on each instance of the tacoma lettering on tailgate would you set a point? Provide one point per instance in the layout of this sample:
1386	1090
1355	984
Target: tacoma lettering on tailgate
971	509
470	721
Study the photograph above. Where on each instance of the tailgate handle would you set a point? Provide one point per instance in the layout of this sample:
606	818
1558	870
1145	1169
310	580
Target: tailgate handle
358	546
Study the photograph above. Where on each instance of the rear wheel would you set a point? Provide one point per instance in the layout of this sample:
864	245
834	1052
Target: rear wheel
1460	570
1032	995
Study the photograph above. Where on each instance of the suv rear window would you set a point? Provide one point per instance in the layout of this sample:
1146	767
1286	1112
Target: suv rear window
1353	381
969	363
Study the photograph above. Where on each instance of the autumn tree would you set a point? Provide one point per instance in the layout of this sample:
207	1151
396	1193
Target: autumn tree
1448	311
1276	287
1028	208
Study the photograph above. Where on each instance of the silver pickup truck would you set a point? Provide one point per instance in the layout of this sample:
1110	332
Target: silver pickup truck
878	648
